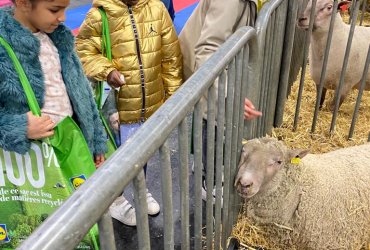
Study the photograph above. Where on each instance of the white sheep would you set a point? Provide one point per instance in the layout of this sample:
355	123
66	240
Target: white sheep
322	202
357	57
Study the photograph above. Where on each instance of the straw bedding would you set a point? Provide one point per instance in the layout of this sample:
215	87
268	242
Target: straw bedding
321	141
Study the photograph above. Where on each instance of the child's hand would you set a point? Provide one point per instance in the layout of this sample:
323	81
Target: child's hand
39	127
99	159
249	110
115	79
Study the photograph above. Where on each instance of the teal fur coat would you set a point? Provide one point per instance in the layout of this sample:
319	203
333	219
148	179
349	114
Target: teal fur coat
13	102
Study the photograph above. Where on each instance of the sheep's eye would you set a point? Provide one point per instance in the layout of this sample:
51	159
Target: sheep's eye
279	162
329	7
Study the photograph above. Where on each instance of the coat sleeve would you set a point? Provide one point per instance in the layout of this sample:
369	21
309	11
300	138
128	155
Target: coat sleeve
218	26
88	46
99	137
172	57
13	132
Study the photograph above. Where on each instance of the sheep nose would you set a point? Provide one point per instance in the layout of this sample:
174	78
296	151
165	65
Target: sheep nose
302	19
246	188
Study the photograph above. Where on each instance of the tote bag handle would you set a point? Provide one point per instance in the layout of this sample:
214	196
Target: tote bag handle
31	99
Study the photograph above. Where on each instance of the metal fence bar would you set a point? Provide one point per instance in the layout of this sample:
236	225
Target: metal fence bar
269	80
363	10
304	65
106	233
235	142
292	14
360	91
320	93
344	69
184	184
261	74
166	181
126	163
141	209
227	159
210	162
219	157
279	30
198	172
245	78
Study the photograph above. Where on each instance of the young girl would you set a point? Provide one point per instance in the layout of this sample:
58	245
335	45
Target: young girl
45	49
146	65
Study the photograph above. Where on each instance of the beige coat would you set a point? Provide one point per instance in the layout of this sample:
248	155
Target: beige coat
211	23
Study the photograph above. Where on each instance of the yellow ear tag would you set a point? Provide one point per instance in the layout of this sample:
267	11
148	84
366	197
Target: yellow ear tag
295	161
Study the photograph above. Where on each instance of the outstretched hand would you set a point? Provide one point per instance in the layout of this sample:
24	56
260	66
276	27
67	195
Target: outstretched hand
250	111
115	79
39	127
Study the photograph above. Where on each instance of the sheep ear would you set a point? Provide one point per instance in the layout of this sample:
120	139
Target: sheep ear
295	155
344	6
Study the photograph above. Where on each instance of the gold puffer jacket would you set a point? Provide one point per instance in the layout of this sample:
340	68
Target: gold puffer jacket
156	48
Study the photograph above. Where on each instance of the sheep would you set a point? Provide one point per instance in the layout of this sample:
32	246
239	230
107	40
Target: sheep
321	202
357	57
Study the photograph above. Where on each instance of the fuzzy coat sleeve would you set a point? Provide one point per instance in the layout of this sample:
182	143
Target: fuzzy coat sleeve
88	46
13	132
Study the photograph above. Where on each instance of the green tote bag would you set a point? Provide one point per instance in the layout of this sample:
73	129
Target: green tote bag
33	185
99	89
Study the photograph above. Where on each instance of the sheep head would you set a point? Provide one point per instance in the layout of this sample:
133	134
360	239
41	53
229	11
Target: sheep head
323	12
260	163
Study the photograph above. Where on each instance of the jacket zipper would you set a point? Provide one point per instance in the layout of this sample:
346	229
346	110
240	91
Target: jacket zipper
142	78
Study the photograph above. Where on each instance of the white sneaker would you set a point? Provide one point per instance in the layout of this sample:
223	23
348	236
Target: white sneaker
153	206
204	193
122	210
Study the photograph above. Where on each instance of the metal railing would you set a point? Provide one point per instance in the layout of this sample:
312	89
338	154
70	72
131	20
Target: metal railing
355	8
275	30
232	65
240	68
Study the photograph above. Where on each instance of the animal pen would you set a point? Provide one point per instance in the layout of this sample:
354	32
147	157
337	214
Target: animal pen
260	63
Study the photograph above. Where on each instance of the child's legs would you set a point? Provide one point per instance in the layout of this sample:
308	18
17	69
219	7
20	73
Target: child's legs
126	131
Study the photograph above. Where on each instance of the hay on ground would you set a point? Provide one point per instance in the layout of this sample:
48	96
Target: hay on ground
252	237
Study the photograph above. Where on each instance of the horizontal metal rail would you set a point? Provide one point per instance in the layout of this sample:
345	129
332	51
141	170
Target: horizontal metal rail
66	227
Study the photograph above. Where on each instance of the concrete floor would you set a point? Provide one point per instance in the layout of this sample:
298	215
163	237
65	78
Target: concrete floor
126	236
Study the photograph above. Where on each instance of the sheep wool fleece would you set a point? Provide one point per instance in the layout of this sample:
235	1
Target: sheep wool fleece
329	195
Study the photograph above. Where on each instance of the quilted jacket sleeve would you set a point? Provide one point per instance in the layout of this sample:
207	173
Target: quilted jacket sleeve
172	57
88	45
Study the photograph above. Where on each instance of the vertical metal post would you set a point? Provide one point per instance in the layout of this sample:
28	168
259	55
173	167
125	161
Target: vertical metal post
228	142
304	65
344	69
141	208
106	233
219	157
198	172
286	60
210	162
324	66
184	184
360	91
166	183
